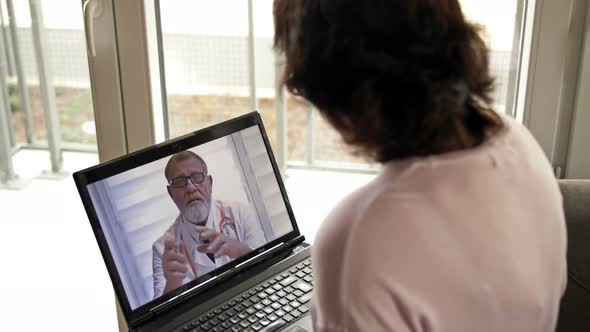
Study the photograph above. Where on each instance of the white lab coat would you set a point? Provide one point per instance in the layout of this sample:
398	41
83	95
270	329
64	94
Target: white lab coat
248	229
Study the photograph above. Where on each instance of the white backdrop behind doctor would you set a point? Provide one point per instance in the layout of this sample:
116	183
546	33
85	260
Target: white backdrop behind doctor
135	210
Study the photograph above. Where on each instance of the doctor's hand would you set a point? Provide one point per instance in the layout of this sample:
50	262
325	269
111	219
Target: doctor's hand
173	264
220	244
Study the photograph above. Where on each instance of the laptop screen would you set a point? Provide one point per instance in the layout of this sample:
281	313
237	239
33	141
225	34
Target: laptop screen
182	211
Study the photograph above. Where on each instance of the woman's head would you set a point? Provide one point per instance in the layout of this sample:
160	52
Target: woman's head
397	78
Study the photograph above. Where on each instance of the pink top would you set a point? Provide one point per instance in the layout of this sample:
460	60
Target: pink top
466	241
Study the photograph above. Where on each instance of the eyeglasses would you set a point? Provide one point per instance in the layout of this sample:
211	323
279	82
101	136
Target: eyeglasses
182	181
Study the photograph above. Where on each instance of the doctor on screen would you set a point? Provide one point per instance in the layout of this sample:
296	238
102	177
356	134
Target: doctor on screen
206	234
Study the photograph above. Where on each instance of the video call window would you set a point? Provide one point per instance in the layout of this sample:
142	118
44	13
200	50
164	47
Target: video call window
214	203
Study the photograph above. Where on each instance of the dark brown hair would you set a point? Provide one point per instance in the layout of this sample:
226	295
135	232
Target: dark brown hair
396	78
182	156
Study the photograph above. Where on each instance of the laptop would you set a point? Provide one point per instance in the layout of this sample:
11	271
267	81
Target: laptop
197	233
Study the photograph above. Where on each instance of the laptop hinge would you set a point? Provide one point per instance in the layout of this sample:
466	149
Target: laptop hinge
266	254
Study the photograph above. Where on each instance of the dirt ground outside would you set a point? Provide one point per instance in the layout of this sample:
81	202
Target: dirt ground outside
187	113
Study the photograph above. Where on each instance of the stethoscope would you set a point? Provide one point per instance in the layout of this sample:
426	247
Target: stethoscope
227	226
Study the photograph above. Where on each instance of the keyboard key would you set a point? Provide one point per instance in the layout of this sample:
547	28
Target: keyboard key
305	298
273	298
272	317
290	297
288	318
252	292
308	279
264	322
287	308
303	308
268	310
275	306
247	303
277	286
266	285
214	322
226	325
307	270
294	269
272	281
256	327
281	293
298	293
252	319
287	281
236	329
239	308
205	327
260	314
232	303
222	317
289	289
244	323
234	320
250	311
242	315
210	315
302	286
295	313
266	302
280	313
294	304
307	263
230	312
283	301
258	306
270	291
301	274
217	329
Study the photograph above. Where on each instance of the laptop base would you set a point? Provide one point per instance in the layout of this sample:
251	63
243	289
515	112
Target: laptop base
249	281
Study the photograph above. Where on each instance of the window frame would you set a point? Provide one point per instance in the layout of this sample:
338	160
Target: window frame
556	30
578	162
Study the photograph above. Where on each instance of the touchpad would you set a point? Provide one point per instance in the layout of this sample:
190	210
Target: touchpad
302	325
296	329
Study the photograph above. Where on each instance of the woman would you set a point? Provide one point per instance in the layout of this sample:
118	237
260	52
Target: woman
463	228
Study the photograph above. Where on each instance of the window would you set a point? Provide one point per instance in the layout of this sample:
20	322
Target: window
47	101
210	76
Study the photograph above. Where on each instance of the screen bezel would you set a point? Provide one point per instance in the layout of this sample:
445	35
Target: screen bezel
122	164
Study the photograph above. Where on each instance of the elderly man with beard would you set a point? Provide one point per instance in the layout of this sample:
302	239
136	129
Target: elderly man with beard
206	234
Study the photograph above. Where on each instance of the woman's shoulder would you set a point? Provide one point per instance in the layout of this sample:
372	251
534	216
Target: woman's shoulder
366	208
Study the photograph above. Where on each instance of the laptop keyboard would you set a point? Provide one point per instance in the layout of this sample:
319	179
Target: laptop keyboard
265	307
